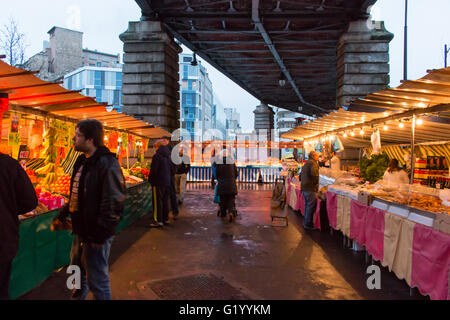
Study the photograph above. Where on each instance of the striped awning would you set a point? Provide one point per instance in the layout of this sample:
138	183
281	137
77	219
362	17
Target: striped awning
27	91
389	111
421	151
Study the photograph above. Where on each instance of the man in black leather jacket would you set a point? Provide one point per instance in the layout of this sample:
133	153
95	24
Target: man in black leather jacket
96	205
17	196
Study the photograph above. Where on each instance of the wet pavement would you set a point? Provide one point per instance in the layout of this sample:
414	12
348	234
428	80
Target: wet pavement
249	254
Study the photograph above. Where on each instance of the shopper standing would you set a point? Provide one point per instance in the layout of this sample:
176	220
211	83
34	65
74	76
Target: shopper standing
310	186
181	176
173	193
96	205
160	178
226	173
17	196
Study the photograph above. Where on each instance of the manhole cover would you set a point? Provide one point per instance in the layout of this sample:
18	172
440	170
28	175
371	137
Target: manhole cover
194	287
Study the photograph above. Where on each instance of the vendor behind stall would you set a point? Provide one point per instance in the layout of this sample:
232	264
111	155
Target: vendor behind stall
395	175
335	162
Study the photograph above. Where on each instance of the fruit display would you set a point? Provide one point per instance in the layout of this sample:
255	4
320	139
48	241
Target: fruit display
51	201
32	175
140	173
49	153
62	185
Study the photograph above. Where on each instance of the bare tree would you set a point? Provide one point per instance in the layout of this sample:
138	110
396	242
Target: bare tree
12	43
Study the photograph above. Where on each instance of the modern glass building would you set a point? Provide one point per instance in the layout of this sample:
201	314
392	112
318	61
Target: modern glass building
105	84
196	92
219	117
285	121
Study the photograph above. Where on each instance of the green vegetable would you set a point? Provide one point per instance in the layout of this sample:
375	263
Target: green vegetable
373	169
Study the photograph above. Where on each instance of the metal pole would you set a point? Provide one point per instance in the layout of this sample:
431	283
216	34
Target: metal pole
413	137
405	49
445	56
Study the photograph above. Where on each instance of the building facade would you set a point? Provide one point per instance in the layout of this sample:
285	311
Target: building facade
233	119
219	118
196	108
104	84
286	120
64	53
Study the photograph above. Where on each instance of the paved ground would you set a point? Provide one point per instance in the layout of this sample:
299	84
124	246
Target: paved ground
265	261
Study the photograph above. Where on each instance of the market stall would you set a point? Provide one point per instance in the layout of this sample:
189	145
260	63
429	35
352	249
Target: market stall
37	123
404	226
267	170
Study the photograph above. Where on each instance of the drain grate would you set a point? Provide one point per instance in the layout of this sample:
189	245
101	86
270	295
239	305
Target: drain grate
195	287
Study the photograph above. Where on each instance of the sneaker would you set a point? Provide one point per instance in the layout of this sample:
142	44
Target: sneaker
166	222
156	224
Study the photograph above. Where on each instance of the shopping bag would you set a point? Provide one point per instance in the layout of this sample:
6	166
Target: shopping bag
216	196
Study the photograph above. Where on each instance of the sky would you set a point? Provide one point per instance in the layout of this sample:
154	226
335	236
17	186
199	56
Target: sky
101	22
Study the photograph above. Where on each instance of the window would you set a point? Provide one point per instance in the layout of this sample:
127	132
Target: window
118	79
187	59
188	99
185	71
116	101
193	71
99	64
186	111
192	85
183	125
69	83
184	84
98	95
97	79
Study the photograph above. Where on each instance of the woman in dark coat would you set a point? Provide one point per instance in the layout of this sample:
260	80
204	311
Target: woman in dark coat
226	173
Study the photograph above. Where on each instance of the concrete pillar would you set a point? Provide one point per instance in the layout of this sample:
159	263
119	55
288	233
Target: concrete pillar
264	121
362	60
150	80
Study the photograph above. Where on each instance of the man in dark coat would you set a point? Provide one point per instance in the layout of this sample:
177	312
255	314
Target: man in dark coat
226	173
173	193
96	205
180	176
17	196
309	177
161	180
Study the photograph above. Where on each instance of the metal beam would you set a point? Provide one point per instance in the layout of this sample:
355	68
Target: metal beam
253	42
209	60
260	28
252	32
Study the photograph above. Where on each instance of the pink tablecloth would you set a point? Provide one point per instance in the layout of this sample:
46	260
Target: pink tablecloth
300	204
358	213
332	208
431	262
374	233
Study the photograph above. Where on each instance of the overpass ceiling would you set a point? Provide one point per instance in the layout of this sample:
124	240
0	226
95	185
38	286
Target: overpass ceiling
304	33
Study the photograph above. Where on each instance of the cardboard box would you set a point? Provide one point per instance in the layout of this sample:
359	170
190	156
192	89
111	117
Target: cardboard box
442	223
365	198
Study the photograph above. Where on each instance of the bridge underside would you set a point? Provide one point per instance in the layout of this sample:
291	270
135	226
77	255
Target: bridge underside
255	43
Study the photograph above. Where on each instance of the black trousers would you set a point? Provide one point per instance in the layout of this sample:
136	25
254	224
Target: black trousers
161	197
227	204
5	276
173	196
